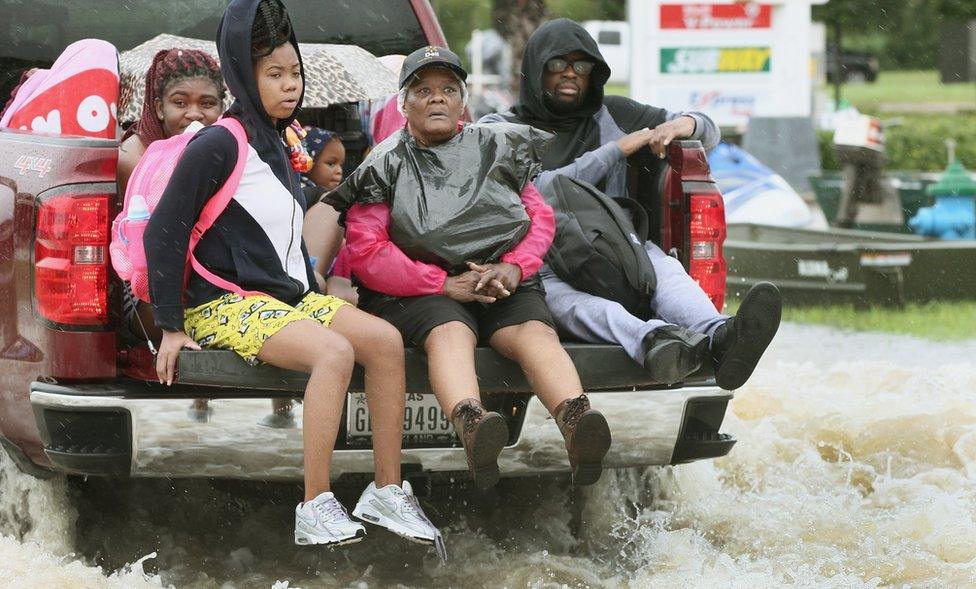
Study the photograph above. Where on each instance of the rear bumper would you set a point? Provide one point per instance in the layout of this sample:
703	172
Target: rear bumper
111	432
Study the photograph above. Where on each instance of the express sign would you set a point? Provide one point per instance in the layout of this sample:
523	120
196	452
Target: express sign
714	60
716	16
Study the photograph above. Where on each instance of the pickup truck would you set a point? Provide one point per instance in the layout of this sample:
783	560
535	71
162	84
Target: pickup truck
78	397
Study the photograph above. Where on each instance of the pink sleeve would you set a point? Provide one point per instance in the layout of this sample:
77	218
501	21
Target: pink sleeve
388	121
340	266
379	263
528	253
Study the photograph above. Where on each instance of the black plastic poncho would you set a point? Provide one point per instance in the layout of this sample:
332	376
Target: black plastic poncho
455	202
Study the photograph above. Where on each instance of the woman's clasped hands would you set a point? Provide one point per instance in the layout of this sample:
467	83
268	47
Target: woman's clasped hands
483	283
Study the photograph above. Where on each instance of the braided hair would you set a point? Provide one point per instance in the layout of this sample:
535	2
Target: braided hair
168	67
270	30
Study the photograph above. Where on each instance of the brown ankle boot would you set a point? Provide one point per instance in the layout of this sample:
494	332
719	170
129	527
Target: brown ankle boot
587	437
483	435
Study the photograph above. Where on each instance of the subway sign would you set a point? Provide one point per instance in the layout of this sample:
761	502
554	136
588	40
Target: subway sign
741	15
715	60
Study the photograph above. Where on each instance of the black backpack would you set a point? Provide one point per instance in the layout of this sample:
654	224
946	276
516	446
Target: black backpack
597	248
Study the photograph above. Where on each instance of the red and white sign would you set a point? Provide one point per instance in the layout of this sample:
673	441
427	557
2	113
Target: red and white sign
732	60
750	15
76	96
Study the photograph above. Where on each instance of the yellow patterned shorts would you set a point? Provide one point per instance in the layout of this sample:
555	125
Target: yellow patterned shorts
243	324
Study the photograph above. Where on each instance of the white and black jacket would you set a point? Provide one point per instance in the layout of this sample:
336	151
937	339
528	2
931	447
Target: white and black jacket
256	242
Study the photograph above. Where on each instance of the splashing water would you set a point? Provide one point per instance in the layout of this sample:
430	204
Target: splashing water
855	468
37	529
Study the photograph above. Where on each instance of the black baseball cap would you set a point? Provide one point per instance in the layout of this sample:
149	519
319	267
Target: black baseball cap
427	56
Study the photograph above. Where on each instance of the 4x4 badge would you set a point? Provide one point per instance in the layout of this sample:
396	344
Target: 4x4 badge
41	165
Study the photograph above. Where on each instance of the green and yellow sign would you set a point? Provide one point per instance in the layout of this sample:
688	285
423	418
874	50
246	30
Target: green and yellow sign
714	60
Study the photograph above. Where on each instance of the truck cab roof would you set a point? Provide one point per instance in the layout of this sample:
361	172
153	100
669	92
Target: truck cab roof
38	31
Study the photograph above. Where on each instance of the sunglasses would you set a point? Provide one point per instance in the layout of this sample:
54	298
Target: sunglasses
582	68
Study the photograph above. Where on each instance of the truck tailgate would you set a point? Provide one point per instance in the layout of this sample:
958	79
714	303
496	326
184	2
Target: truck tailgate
600	367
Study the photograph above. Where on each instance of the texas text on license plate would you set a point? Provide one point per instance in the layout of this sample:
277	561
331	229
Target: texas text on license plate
423	421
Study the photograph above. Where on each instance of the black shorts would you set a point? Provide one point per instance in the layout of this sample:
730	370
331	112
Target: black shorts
416	316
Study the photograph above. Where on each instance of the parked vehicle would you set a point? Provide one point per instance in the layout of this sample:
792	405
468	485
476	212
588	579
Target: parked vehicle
78	397
613	38
855	66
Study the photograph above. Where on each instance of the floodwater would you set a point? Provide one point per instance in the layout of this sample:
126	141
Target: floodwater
855	467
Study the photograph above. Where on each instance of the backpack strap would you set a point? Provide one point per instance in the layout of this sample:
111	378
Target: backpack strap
638	270
216	205
638	215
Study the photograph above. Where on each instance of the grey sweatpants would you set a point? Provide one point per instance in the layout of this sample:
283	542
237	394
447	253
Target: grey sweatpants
678	300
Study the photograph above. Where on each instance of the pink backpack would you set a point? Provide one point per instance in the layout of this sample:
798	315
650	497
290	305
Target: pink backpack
149	180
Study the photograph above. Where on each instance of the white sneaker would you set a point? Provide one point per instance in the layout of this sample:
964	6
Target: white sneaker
324	520
396	509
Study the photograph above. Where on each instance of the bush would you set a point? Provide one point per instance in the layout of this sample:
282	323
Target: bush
825	141
918	143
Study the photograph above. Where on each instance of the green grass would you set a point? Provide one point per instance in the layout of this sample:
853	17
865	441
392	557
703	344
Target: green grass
616	89
914	87
935	321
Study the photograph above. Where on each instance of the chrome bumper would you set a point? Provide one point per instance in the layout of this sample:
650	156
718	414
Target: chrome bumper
166	443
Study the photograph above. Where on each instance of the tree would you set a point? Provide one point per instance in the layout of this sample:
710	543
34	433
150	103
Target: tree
858	15
854	16
957	9
613	9
904	32
459	17
580	10
515	21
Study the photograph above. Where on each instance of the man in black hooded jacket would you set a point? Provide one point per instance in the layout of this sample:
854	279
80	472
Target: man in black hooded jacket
563	78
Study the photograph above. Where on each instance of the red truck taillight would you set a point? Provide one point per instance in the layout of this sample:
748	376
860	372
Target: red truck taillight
707	264
71	259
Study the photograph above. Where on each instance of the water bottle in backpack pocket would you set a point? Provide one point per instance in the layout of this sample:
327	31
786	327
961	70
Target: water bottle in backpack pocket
128	250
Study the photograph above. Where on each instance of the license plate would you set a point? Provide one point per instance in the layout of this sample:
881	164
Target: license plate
423	421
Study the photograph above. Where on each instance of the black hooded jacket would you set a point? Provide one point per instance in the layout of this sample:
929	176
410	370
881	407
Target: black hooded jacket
599	119
256	242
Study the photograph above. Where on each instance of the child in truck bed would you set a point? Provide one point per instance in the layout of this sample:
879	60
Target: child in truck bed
183	86
280	318
322	233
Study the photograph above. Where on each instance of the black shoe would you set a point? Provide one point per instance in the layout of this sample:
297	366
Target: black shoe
672	353
739	343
